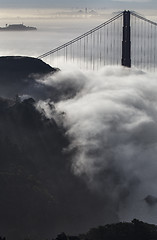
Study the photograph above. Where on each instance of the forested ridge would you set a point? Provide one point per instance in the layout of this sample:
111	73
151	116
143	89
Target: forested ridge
135	230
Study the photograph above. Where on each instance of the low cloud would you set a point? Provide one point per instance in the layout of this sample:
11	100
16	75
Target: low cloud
111	121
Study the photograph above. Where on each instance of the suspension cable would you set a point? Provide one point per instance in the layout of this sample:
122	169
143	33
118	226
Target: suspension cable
81	36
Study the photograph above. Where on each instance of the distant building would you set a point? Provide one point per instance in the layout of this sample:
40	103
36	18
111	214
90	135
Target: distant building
17	27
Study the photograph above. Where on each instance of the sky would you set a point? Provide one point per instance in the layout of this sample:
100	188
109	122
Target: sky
133	4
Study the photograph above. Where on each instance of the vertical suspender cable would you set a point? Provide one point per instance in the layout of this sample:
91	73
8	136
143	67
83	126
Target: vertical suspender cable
118	42
148	47
104	42
97	49
100	45
141	50
107	46
91	50
84	52
136	40
57	59
147	62
114	43
111	50
80	52
144	44
138	44
151	49
73	53
154	48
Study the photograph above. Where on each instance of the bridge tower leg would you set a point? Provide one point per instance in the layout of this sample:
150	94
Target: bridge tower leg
126	43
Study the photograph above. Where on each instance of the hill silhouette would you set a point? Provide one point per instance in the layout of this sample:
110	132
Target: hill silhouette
135	230
38	189
19	74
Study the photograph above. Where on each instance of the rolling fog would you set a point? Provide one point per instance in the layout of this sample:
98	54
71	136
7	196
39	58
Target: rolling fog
111	121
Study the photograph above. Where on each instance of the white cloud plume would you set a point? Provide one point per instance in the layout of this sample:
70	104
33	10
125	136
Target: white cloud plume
112	124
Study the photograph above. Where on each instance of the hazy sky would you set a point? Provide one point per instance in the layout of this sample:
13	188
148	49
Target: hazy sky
133	4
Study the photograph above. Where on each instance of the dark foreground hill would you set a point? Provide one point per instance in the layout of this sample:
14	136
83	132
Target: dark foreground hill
135	230
18	75
39	194
22	67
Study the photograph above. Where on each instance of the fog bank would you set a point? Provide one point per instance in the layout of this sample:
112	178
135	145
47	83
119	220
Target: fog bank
111	120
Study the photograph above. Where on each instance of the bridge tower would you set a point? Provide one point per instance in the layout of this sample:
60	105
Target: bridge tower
126	43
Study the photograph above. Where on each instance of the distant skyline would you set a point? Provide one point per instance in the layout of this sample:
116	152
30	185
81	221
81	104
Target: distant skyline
130	4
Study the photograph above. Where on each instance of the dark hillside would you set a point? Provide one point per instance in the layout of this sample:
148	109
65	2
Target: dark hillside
40	196
23	66
136	230
18	75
